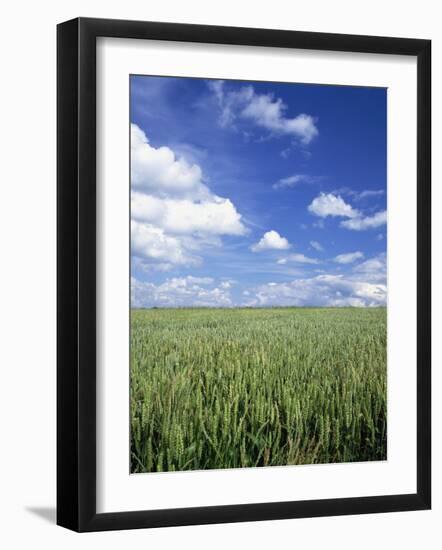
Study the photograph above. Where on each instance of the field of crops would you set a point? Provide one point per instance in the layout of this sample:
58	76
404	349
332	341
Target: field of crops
214	388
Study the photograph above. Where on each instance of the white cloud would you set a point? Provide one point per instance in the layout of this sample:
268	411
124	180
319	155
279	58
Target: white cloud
226	102
152	243
368	222
322	290
197	280
331	205
271	240
359	195
334	205
316	245
298	258
348	258
364	286
158	170
291	181
373	269
268	112
264	110
227	284
174	213
216	216
179	292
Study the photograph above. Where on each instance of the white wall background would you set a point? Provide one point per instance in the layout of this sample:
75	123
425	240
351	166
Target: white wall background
27	274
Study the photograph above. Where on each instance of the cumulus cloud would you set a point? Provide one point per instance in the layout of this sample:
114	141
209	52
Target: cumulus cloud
157	170
227	284
373	269
216	216
264	110
321	291
174	213
327	204
364	286
316	245
153	244
226	101
359	195
179	292
348	258
271	240
291	181
268	112
298	258
368	222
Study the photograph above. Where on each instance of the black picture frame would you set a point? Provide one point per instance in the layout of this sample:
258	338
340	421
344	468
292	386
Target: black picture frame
76	274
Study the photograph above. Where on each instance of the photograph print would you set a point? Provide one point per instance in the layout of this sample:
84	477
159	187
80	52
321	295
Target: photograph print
258	332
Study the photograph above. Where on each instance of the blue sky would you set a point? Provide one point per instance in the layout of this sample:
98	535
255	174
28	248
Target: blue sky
257	194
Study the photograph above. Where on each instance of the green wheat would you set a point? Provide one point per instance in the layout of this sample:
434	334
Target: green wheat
213	388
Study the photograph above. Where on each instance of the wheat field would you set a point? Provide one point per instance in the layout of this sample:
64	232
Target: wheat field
236	388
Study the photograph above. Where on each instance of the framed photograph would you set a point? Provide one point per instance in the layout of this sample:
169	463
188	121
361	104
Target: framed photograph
243	274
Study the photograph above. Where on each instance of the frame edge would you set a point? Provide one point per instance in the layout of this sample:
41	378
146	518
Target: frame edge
76	287
67	278
424	273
